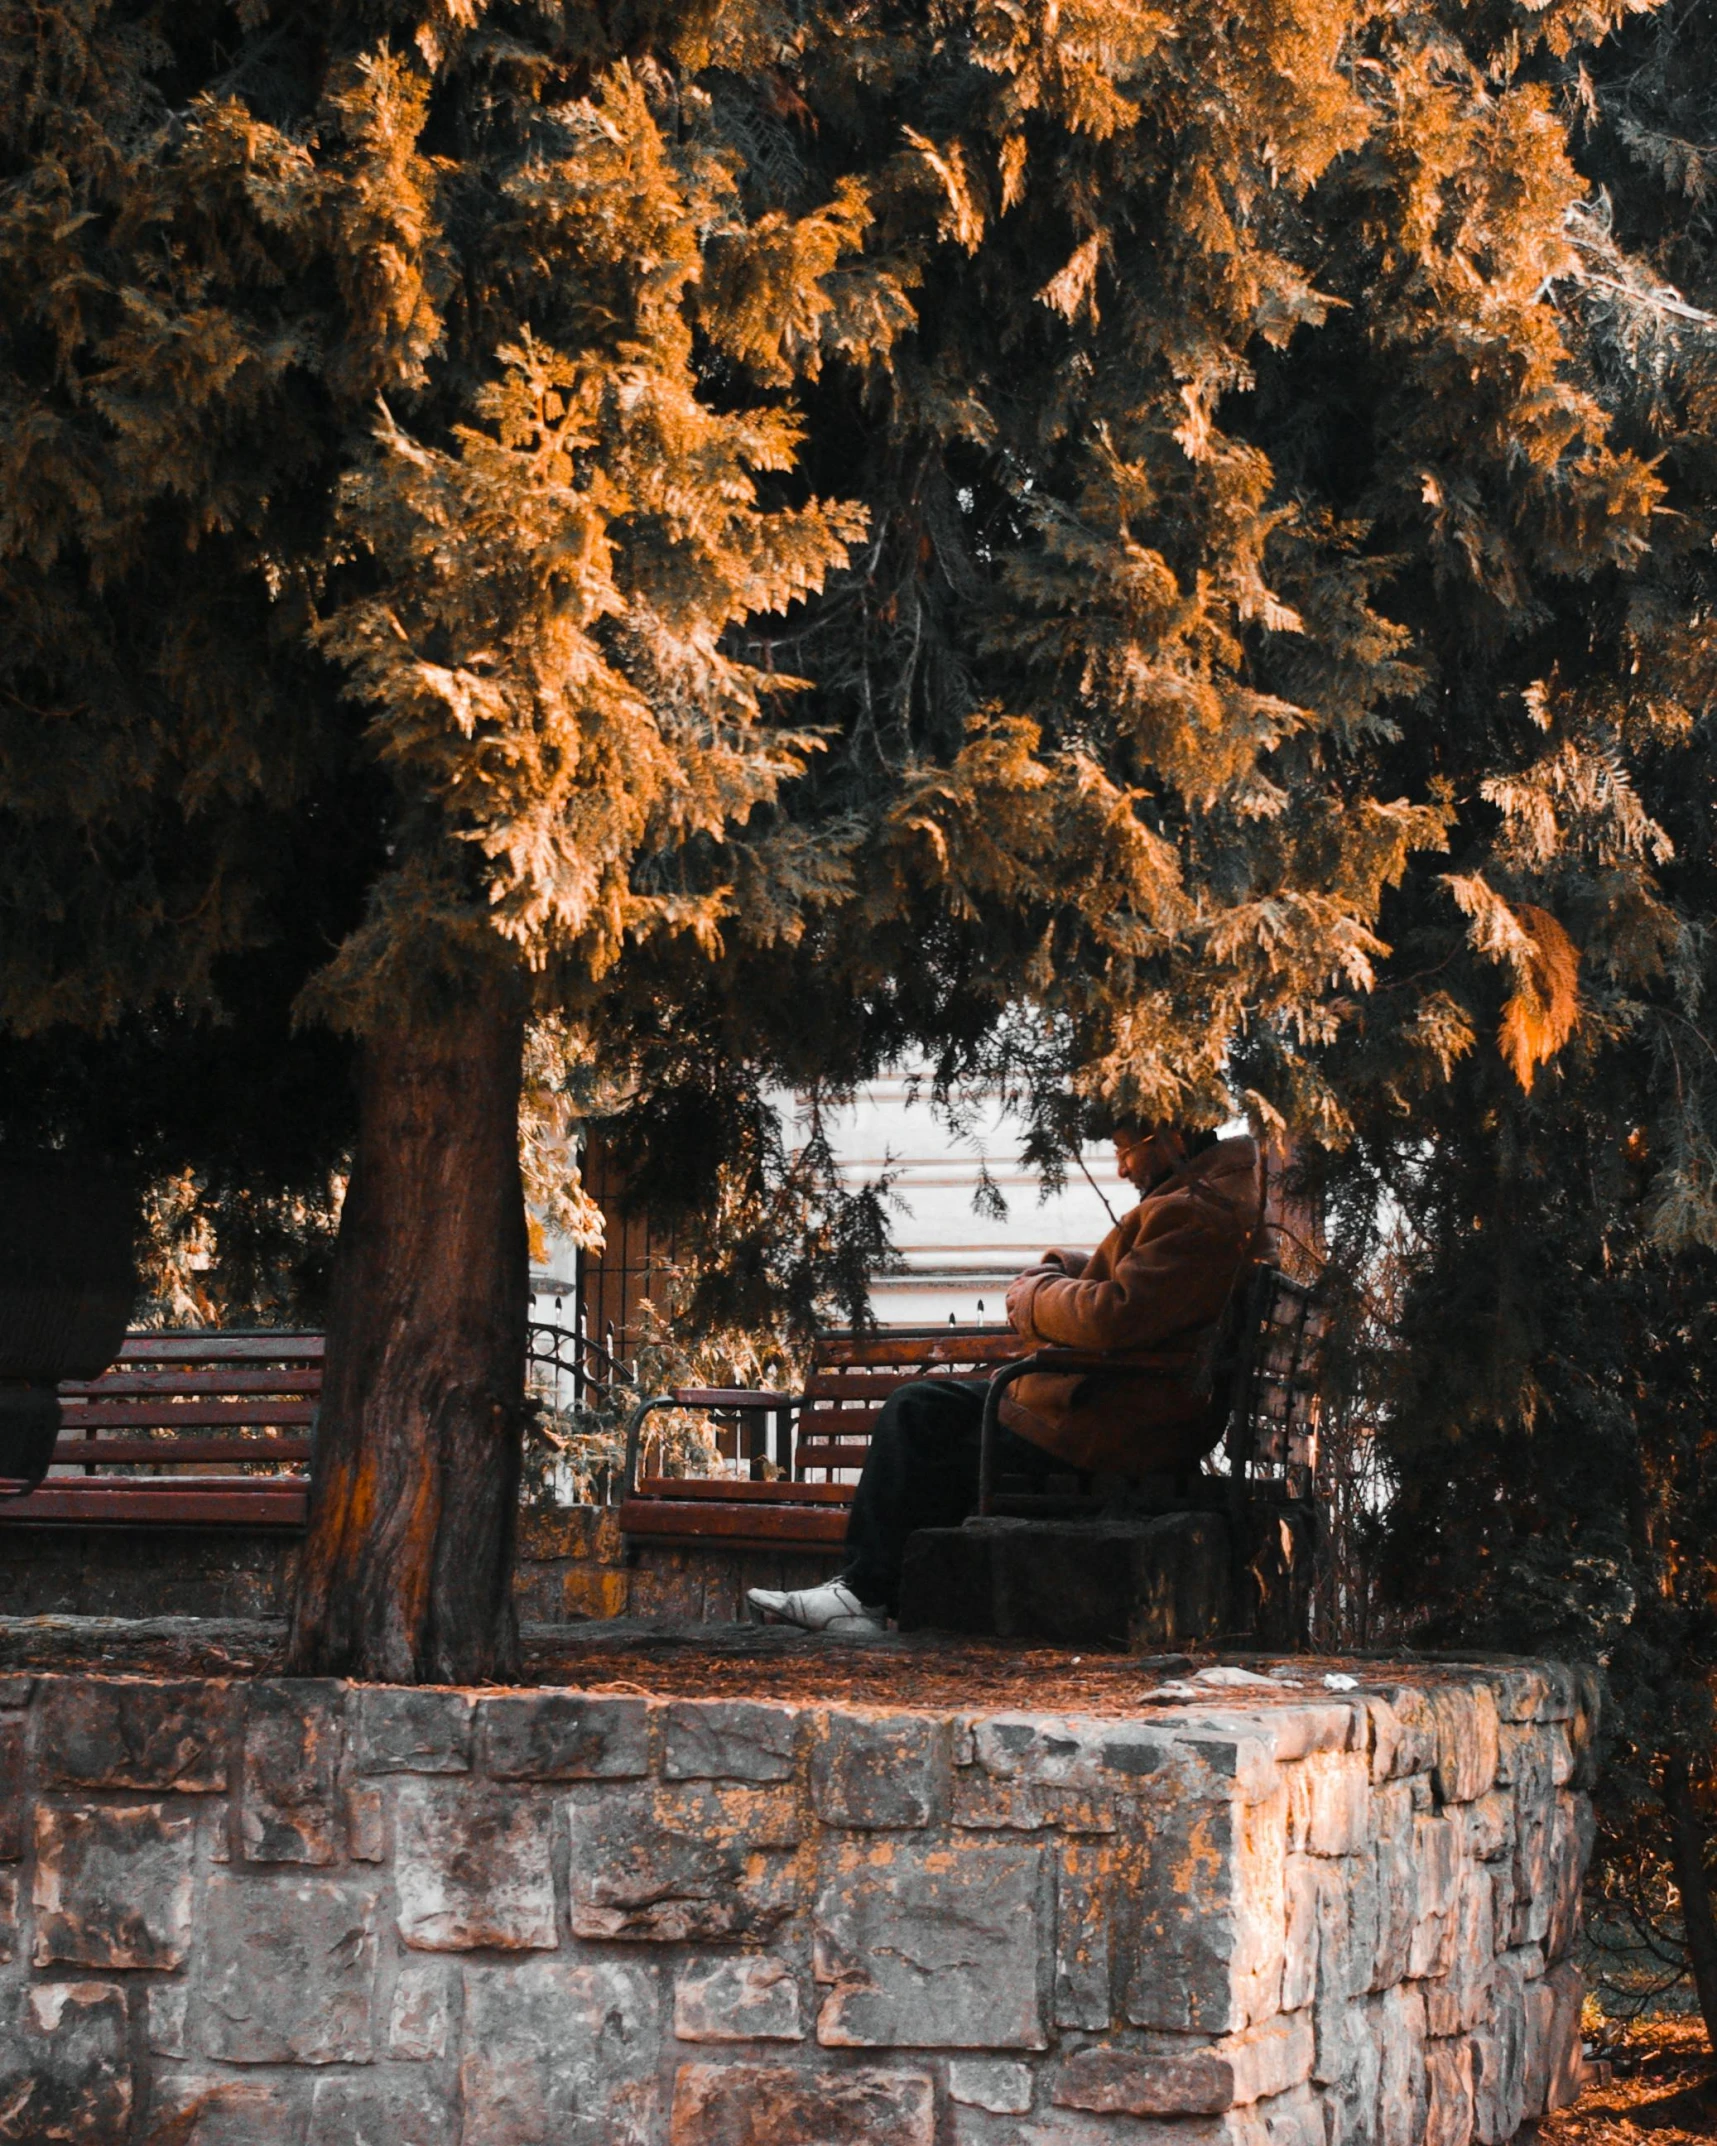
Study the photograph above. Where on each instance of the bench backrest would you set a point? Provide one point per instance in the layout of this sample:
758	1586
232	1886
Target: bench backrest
176	1398
1273	1362
853	1374
1277	1364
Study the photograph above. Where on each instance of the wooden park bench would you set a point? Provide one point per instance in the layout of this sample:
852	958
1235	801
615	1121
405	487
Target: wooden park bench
213	1429
796	1499
221	1422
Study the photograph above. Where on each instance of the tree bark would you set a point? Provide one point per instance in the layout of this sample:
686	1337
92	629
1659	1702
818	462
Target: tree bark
1687	1857
407	1572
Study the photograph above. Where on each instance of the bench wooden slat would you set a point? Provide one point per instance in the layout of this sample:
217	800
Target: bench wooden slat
838	1422
827	1454
224	1500
125	1384
729	1397
780	1493
148	1415
168	1347
174	1452
935	1345
759	1526
853	1384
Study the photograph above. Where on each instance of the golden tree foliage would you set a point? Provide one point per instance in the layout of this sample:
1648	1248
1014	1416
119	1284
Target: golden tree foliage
819	528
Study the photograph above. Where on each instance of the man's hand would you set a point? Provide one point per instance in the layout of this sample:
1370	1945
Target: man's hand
1020	1293
1069	1263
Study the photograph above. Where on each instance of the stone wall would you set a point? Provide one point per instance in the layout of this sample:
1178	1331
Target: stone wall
572	1564
1261	1914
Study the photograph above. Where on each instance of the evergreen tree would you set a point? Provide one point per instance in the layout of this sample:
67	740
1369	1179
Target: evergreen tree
1172	452
1546	1402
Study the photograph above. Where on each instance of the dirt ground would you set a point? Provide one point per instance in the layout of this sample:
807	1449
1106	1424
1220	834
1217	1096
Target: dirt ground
1662	2092
720	1661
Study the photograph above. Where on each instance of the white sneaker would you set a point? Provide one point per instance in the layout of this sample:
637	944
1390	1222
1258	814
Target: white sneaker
831	1608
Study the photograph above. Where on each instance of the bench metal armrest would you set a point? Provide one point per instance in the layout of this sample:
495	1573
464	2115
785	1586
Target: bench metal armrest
1055	1360
715	1398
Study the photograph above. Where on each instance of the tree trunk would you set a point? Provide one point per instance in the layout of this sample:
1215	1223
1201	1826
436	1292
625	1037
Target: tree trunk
407	1572
1687	1856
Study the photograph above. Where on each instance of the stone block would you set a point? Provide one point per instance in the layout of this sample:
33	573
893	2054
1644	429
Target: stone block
192	2107
1196	2081
1078	2127
381	2108
946	1583
1152	1583
1560	2052
932	1946
64	2074
403	1730
1456	2000
595	1591
565	1736
772	2105
1350	2089
559	2051
8	1916
1349	1927
366	1825
1467	1744
662	1591
993	2083
100	1732
1499	2047
1028	1771
748	1998
888	1770
1398	2022
1572	1831
12	1798
1300	1946
15	1691
1397	1880
1437	1870
1329	1803
1403	1733
1489	1826
289	1971
1526	1757
1531	1691
421	2017
113	1885
696	1864
471	1867
1084	1909
1449	2092
292	1735
589	1533
167	2027
1207	1921
727	1740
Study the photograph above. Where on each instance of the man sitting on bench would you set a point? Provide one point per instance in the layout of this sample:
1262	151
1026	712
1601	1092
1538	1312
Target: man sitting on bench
1156	1285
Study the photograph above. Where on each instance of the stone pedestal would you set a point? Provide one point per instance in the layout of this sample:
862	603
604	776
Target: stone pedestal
1146	1584
1256	1910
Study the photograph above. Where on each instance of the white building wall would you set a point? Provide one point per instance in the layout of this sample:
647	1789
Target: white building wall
957	1262
956	1259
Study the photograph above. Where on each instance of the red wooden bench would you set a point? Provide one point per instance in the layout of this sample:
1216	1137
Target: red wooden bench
1267	1378
233	1409
804	1506
222	1423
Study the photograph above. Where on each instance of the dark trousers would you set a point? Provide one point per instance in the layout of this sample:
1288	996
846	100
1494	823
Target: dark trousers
922	1472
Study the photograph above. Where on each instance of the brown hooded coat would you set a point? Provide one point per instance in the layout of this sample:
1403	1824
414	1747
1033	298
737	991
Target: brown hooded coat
1157	1285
